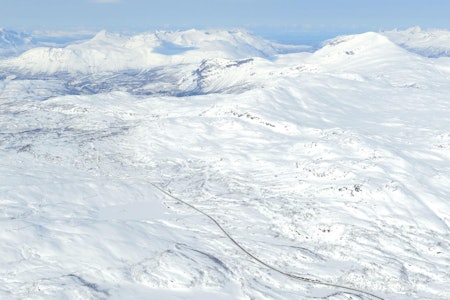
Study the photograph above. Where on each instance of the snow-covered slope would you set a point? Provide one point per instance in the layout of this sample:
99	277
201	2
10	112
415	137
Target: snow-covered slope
374	57
430	43
362	51
329	166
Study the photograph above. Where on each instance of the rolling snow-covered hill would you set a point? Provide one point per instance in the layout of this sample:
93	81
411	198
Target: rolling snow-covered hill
332	166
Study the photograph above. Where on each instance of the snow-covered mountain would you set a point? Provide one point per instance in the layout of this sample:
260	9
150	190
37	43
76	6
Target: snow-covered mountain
114	52
213	165
159	62
430	43
12	42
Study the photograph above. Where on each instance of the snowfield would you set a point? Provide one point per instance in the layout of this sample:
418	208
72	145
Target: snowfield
331	165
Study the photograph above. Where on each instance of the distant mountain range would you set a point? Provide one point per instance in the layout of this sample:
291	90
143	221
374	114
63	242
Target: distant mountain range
206	61
12	42
430	43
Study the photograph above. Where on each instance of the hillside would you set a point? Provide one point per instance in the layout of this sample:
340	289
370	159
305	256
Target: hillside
332	166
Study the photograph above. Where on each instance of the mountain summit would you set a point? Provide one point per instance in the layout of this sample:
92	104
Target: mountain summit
108	52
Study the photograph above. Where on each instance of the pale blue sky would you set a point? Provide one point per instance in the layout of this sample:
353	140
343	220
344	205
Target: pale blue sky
268	15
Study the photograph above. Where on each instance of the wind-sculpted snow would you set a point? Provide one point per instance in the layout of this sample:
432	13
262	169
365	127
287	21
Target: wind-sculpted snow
329	166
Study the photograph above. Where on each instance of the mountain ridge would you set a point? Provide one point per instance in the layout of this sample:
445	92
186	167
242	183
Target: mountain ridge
109	52
115	52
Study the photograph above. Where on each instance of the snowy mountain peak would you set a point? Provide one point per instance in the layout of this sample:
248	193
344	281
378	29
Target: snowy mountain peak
360	52
360	44
113	52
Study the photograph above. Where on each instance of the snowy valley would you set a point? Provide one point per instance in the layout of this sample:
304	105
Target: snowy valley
331	164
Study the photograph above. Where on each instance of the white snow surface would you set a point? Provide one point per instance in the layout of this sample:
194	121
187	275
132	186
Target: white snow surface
431	43
332	165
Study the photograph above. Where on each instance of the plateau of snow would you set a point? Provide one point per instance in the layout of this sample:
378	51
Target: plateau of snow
331	164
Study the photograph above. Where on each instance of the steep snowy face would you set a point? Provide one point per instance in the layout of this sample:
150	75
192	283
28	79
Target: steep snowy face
112	52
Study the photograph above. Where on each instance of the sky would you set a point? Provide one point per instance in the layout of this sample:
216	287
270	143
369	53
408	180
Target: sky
257	15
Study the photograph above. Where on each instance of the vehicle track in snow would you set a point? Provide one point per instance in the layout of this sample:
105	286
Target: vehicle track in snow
267	265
